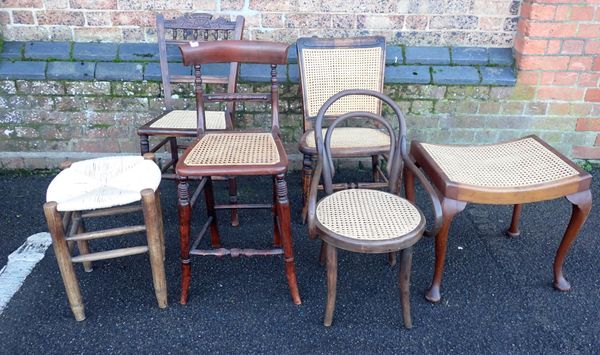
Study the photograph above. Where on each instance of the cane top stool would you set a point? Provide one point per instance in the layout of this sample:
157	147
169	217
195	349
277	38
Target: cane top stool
365	220
99	188
516	172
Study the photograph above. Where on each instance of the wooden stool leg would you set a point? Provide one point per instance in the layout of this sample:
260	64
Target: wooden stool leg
449	209
63	258
283	216
209	197
160	223
307	165
323	253
582	204
331	283
152	220
232	186
78	226
513	230
276	230
404	282
184	209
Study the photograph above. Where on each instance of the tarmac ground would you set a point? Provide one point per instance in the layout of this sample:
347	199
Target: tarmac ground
497	294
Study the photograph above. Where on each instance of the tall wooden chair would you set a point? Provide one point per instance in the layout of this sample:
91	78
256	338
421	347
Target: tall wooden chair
366	220
176	123
235	153
516	172
328	66
100	188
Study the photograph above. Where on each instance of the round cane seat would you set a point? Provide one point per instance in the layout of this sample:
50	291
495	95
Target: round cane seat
181	119
351	137
364	214
103	182
521	163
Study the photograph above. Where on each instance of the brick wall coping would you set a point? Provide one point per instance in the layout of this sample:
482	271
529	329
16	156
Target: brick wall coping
139	61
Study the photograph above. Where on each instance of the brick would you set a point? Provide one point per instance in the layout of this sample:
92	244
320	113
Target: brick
588	30
547	78
379	22
427	55
138	51
489	108
12	50
597	142
469	55
544	63
137	89
542	12
93	4
536	108
596	64
98	18
553	47
71	70
592	47
560	93
56	4
500	56
572	47
87	34
133	18
559	109
119	71
497	76
61	17
444	75
588	124
550	29
586	152
581	63
87	88
95	51
30	87
592	95
4	18
8	87
23	17
530	46
393	55
565	78
528	78
405	74
582	13
513	108
563	13
453	22
47	50
22	70
490	23
23	3
416	22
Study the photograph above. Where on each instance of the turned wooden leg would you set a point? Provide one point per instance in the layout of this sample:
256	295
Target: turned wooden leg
404	282
449	209
283	216
276	229
155	251
513	230
77	227
375	167
144	144
184	209
323	253
307	164
582	204
331	283
209	197
63	258
232	186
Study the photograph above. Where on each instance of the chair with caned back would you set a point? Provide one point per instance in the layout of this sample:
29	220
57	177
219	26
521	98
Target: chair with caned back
366	220
235	153
326	67
508	173
180	122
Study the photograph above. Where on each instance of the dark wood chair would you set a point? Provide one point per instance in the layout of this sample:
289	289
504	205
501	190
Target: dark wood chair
366	220
516	172
237	153
181	123
326	67
105	187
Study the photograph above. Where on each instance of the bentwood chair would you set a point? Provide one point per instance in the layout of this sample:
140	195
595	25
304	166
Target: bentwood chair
180	123
366	220
237	153
98	188
514	173
326	67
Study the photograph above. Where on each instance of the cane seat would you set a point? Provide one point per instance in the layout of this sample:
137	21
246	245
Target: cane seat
183	119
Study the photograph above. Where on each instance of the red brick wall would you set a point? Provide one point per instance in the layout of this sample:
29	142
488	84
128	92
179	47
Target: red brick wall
557	50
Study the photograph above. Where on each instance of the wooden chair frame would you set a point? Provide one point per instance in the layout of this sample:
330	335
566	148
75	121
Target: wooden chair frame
258	52
455	196
376	74
398	161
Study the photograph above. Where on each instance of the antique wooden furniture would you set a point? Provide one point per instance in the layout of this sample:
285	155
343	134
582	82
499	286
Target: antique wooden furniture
237	153
366	220
328	66
516	172
177	123
99	188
